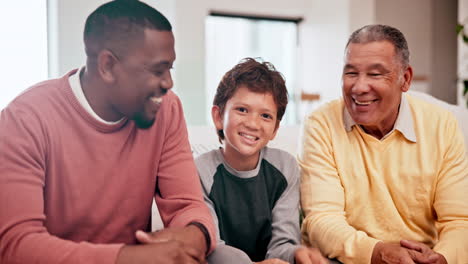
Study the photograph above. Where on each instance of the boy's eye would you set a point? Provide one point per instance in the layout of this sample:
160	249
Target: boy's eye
267	116
241	109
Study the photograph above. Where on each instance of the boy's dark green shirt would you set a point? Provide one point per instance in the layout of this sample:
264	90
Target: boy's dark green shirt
255	211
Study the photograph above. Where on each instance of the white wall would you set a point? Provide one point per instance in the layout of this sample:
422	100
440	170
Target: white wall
444	53
362	12
429	27
324	34
414	21
22	48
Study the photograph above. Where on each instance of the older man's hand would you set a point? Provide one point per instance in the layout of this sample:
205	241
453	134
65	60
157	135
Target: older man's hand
426	256
390	253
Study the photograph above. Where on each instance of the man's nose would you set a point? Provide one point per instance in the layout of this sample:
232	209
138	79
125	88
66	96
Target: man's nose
166	82
361	85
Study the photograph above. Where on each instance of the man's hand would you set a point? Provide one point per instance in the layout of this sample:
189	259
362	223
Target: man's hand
272	261
191	236
170	252
305	255
389	253
426	256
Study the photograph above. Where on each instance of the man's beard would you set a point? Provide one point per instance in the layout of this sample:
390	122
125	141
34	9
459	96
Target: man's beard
142	122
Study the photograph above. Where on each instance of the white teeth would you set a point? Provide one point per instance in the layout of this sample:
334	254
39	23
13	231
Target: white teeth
363	102
156	100
248	136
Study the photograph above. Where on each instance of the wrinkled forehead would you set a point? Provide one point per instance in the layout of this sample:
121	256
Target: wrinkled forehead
373	54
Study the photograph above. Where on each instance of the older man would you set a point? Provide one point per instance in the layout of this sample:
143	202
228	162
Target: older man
83	156
384	175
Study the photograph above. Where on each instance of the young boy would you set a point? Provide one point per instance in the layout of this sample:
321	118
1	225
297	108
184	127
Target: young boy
253	190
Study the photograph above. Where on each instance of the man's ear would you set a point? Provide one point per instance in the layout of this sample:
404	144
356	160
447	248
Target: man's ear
106	62
407	78
217	117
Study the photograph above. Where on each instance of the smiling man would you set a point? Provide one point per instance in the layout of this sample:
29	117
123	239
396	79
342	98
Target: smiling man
82	157
384	175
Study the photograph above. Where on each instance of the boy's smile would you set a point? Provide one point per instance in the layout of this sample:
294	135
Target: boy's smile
249	122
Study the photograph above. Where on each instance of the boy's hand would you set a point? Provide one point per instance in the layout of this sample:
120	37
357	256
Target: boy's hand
305	255
272	261
190	236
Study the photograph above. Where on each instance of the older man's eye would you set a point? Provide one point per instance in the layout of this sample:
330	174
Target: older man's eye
350	73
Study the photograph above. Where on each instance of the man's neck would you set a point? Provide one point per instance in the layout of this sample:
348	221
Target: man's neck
94	91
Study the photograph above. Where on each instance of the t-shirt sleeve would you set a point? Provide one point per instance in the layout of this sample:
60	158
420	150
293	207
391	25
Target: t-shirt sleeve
285	225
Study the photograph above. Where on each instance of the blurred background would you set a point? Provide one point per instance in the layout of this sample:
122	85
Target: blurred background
304	39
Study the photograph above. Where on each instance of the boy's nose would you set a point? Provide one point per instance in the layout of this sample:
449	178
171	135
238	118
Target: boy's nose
252	122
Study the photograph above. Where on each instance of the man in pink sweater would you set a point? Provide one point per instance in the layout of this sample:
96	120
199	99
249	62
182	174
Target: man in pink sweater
81	157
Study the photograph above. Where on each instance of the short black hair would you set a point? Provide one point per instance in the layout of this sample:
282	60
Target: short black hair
119	24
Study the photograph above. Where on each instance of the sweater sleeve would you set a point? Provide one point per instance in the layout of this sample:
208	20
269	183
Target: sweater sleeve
179	196
322	199
23	235
451	199
285	225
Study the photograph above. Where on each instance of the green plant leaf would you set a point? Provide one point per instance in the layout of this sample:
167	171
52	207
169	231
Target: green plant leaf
459	28
465	86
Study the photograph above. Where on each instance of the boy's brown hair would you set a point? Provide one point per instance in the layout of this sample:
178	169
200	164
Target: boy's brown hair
258	77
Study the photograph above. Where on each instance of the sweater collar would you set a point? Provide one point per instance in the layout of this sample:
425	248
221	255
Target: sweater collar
71	85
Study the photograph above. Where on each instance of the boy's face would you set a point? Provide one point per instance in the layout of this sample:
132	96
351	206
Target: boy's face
249	123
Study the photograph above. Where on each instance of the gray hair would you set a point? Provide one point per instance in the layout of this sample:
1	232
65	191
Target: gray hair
371	33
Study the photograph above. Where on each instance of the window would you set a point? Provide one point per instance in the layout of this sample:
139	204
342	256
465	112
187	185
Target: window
23	47
230	38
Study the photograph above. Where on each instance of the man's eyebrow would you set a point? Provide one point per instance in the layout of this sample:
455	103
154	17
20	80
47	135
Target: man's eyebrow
349	67
377	66
164	64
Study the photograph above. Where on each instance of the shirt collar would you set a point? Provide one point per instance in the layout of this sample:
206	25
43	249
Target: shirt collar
77	89
403	123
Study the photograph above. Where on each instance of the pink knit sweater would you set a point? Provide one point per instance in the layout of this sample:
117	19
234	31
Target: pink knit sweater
74	190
